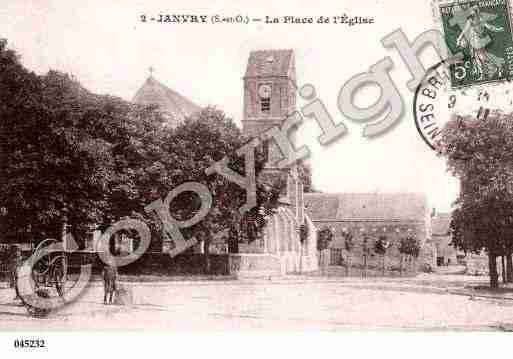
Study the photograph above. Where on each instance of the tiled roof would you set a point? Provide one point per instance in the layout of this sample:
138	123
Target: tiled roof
175	106
269	63
366	206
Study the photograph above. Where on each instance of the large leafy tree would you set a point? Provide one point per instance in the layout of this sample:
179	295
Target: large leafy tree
68	155
480	153
349	246
324	237
205	138
380	247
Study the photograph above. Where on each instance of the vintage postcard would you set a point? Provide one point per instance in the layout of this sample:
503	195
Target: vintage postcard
252	167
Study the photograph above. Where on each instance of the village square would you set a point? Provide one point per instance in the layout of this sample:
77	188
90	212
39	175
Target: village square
302	259
334	167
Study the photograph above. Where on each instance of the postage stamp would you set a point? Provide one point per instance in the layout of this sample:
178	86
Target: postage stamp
481	30
435	102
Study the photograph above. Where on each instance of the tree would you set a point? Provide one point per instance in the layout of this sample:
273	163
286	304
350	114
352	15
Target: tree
410	247
480	153
348	245
324	238
205	138
58	143
305	175
380	247
365	253
71	156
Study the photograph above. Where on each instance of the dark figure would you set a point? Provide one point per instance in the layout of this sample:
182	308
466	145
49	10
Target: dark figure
15	263
110	274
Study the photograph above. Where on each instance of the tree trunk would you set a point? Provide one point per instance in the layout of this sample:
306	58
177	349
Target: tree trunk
509	267
364	274
233	241
206	248
504	275
348	263
383	268
321	261
492	268
401	265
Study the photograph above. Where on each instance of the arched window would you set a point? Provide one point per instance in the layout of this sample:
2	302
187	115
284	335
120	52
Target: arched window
265	105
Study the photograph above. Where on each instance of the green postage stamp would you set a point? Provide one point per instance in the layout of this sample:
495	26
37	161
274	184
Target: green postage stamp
481	30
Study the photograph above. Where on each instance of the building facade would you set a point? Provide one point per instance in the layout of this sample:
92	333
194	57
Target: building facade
446	254
369	216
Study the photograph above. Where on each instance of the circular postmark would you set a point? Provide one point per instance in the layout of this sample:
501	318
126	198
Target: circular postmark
435	102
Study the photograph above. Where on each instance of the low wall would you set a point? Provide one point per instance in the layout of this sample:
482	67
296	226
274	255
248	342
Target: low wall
241	265
254	265
257	265
161	263
157	264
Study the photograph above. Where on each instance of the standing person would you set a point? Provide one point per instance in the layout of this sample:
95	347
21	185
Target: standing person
110	273
15	263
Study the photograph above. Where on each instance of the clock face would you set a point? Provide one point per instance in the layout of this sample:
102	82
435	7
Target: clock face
264	91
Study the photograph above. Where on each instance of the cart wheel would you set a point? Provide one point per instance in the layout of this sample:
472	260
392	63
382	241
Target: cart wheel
35	311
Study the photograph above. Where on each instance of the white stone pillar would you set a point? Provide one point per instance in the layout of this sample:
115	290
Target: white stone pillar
276	239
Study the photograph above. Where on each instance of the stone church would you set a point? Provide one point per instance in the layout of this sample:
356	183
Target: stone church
269	96
174	107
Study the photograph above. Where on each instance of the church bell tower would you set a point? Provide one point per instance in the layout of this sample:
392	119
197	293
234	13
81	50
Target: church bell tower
269	97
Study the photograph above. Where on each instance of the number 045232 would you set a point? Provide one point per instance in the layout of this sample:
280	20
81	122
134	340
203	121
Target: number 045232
29	343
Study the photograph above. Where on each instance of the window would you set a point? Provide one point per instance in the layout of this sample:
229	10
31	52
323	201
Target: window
265	105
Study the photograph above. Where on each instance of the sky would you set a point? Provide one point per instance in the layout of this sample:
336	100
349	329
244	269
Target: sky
109	50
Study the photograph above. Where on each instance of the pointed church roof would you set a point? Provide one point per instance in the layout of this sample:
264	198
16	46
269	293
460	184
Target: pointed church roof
175	106
269	63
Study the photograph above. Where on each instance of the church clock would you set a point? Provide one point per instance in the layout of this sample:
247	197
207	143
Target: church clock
264	91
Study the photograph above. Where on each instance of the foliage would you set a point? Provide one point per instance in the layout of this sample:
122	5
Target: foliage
480	153
365	245
71	155
348	240
381	245
305	175
58	144
409	246
194	146
7	253
324	237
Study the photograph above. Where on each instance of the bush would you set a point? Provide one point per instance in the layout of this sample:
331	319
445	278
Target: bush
426	268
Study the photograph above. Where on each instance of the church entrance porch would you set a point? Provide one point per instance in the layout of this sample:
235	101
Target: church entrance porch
280	250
